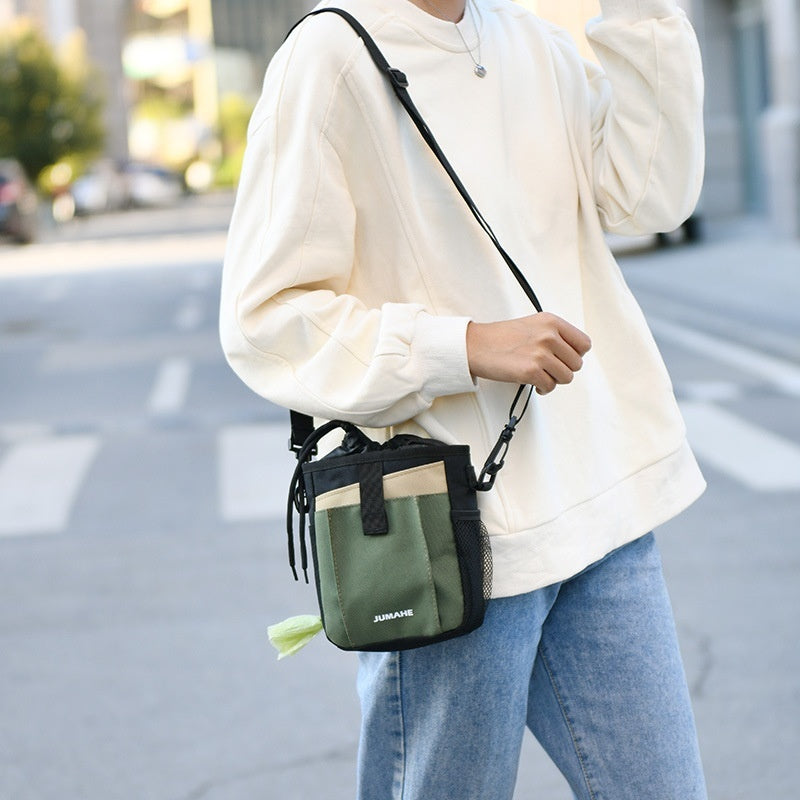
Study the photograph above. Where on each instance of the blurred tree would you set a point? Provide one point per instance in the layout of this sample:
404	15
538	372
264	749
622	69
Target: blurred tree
234	116
50	107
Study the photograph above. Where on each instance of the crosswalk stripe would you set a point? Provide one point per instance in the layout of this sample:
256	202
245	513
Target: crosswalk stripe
779	372
39	480
709	391
255	468
189	315
172	384
13	432
40	476
759	459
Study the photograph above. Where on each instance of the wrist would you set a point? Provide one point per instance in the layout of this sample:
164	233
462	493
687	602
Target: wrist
474	348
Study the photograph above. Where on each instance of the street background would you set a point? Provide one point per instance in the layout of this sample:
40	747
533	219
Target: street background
142	551
142	486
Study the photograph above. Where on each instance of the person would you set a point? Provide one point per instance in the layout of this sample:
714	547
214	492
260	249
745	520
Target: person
357	286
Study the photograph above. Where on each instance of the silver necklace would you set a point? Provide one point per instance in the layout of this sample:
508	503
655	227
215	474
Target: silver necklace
479	69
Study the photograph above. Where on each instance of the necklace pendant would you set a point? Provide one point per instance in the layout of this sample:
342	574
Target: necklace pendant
480	70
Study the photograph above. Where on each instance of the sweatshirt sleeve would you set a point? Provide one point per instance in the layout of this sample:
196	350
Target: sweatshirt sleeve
646	116
290	328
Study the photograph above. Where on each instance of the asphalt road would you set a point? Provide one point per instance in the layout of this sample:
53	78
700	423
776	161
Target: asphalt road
141	547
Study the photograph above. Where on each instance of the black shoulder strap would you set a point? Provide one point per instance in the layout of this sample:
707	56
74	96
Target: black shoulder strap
399	83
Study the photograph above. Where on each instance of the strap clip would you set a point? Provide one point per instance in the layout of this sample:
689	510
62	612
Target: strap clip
497	458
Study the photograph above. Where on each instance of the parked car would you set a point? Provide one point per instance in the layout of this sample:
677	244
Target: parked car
18	203
149	185
110	186
103	187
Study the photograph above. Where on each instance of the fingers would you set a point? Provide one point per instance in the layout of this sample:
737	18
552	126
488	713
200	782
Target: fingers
552	373
542	350
565	353
574	337
565	347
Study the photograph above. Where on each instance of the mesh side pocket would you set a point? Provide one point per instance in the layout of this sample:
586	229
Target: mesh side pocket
486	558
475	556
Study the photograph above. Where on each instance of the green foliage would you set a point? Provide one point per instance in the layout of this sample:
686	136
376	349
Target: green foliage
50	108
234	116
161	108
230	169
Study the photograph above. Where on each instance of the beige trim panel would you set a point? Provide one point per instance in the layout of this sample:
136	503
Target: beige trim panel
422	480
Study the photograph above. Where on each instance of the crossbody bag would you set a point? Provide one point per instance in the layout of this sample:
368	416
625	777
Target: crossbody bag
401	558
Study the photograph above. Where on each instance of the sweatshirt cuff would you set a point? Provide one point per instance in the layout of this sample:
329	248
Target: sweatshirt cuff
637	10
440	344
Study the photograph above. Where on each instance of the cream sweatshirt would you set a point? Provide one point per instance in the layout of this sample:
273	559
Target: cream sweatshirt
353	267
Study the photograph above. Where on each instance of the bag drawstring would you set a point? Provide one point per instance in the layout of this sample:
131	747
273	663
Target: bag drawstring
298	497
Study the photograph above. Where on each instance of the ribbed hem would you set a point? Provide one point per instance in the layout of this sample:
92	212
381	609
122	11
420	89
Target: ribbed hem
553	552
440	344
637	10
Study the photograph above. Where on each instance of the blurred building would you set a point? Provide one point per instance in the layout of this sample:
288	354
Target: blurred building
57	17
246	34
751	51
751	54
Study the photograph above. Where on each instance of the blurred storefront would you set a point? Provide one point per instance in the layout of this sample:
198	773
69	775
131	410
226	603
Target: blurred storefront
168	64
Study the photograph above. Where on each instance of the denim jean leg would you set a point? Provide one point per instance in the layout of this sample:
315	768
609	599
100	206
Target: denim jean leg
446	721
608	699
381	762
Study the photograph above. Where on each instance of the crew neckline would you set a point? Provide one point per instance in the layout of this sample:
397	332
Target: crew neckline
441	32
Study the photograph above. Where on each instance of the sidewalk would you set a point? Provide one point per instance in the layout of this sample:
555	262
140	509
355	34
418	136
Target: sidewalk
191	231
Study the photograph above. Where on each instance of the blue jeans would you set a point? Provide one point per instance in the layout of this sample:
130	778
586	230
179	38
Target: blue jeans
591	665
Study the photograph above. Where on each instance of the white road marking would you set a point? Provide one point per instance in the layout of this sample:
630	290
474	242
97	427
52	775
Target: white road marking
255	468
72	356
39	481
201	281
55	290
189	315
156	252
779	372
171	387
759	459
709	391
13	432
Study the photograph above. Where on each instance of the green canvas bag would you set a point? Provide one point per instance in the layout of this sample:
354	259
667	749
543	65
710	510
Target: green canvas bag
401	558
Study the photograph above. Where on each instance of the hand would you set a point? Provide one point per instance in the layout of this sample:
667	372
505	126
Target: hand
542	350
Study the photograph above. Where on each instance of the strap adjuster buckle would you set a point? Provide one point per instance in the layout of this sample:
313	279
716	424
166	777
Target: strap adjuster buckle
397	77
